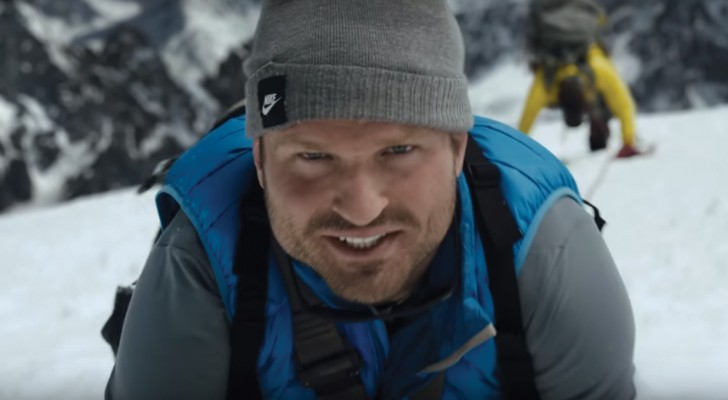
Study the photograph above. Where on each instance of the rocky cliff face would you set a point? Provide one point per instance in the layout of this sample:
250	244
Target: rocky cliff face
93	93
97	109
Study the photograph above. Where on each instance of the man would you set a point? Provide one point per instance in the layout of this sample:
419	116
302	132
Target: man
375	282
573	72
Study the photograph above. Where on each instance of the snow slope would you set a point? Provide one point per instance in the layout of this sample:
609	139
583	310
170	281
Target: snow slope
667	221
60	268
667	217
669	224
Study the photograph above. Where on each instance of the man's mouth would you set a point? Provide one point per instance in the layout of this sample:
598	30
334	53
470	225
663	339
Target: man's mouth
360	248
361	243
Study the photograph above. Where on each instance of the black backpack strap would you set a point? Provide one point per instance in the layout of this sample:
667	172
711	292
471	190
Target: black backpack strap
499	232
111	331
248	325
597	216
325	360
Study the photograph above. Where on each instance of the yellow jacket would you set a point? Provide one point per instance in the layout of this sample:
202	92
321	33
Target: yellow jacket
607	84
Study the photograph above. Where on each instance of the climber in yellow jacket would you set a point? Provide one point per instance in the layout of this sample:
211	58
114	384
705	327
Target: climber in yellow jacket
593	88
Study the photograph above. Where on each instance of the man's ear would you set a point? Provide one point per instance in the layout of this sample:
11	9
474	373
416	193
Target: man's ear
258	160
459	143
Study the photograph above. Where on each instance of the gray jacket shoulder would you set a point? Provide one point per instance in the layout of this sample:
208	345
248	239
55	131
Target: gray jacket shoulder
576	311
176	328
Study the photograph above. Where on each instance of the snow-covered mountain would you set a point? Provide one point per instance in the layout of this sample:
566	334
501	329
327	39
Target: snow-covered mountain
93	93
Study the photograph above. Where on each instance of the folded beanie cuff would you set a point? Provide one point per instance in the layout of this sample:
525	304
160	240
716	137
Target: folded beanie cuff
341	92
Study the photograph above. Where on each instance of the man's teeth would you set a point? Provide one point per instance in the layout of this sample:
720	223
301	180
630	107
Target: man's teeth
361	243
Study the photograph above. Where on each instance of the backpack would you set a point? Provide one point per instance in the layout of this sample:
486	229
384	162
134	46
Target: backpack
561	31
326	363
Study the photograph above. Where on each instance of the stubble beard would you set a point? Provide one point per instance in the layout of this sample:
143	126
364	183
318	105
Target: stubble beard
371	283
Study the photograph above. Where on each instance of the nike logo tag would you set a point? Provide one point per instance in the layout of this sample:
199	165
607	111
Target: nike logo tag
271	92
269	102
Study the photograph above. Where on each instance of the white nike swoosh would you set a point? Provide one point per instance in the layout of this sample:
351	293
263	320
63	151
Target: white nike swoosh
267	108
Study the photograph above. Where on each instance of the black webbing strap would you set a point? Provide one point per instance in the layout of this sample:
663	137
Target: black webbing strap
499	232
248	325
325	361
597	216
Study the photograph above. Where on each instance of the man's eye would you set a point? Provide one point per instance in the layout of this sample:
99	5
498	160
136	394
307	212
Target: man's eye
400	149
314	156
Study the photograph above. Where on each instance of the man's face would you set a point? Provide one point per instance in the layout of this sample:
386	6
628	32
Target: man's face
365	204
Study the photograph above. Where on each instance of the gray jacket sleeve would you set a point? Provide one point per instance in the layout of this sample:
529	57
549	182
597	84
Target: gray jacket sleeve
175	340
577	315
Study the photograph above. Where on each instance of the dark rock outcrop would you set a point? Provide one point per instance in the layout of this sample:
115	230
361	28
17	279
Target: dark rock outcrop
228	86
15	184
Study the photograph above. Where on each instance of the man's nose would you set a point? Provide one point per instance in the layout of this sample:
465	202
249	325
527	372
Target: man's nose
360	198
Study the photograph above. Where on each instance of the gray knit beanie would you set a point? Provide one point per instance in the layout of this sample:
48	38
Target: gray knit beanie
395	61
